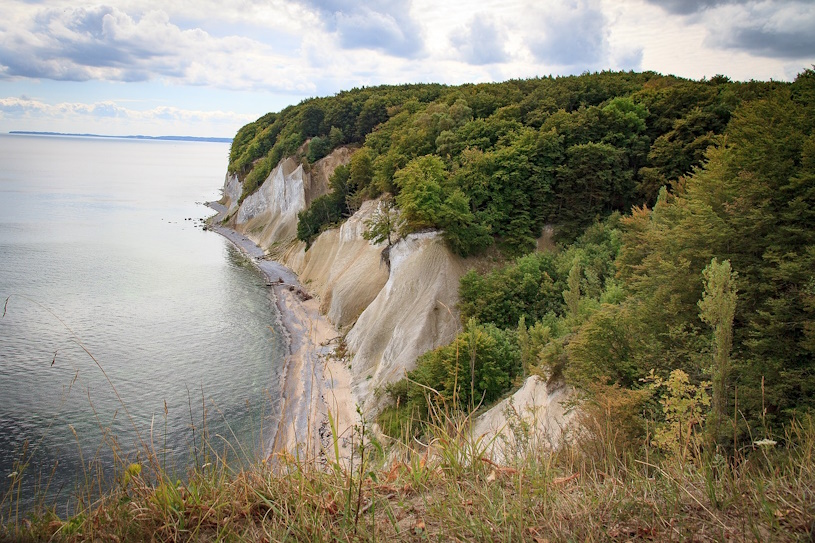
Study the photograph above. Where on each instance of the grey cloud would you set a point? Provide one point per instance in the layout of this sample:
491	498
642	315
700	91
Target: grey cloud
386	25
70	44
19	63
686	7
768	28
761	42
574	35
780	29
481	42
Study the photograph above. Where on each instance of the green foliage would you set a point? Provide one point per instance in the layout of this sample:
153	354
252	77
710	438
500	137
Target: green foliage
479	366
311	119
524	154
463	234
420	193
572	295
373	112
528	288
361	179
532	286
382	226
717	308
335	137
510	186
748	206
605	349
318	148
325	210
593	181
684	407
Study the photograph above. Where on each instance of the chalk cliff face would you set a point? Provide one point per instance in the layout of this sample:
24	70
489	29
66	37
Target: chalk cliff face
532	417
232	192
269	215
390	316
342	268
413	313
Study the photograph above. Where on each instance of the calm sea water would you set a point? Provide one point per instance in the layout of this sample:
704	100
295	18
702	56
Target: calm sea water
100	265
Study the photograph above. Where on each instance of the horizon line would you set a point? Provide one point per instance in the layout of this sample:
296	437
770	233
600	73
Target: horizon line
136	137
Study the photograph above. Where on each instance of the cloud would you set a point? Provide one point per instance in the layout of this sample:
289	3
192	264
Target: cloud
574	34
385	26
686	7
106	43
27	108
765	28
774	29
481	41
628	59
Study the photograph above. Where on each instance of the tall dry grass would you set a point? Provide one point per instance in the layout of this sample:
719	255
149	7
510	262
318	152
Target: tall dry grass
446	488
602	483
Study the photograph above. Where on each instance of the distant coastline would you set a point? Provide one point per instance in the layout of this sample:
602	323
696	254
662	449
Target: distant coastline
162	138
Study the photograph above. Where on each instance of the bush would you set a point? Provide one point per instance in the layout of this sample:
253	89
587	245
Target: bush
326	210
476	369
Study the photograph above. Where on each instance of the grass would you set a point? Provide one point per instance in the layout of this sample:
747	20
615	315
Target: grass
600	485
447	490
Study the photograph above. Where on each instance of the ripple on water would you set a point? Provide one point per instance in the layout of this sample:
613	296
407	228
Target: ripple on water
90	254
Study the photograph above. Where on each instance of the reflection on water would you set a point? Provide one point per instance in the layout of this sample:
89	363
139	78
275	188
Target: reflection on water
126	323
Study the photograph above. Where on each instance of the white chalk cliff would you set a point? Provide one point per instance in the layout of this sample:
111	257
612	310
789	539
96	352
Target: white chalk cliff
390	316
534	416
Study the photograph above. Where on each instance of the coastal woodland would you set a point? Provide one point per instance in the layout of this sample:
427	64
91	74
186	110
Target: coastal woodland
683	214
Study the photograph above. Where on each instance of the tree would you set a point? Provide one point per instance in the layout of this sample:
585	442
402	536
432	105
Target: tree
374	112
382	225
420	197
572	295
463	234
593	181
717	308
317	148
312	120
528	288
480	364
336	137
360	180
325	210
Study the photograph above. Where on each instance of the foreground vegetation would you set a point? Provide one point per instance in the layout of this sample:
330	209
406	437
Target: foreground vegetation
596	488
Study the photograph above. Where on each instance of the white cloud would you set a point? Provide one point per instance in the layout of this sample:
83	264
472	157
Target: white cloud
572	34
31	114
481	41
106	43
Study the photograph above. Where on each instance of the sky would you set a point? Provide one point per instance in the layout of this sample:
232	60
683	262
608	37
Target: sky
202	68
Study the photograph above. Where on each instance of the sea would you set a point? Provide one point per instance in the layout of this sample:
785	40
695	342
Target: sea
128	331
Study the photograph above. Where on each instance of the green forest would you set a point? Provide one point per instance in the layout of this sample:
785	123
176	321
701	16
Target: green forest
682	286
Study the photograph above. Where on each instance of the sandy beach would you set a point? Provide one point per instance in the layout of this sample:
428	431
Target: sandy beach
315	385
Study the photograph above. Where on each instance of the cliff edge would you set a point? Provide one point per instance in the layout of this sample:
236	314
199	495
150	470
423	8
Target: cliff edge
391	313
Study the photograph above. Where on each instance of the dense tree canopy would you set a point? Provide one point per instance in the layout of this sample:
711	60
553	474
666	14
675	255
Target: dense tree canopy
673	202
522	154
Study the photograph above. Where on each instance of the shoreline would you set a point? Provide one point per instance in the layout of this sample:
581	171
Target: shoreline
314	385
